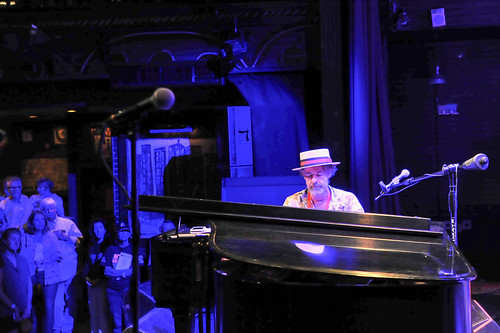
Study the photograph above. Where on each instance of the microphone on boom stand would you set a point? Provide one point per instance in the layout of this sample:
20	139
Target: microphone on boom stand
405	173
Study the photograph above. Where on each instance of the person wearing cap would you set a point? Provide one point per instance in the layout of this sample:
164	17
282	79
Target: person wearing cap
317	167
117	262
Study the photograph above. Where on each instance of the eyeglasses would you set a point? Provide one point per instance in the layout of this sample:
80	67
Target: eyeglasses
13	187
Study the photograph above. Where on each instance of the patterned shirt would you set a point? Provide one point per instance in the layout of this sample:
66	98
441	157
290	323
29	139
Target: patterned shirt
340	200
51	256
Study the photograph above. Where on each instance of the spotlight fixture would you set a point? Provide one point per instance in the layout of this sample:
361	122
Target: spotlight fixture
233	49
230	53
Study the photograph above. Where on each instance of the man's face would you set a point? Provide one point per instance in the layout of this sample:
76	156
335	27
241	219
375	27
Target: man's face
14	188
43	190
13	241
317	179
49	210
123	235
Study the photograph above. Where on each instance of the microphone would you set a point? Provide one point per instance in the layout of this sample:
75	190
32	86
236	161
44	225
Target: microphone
395	181
478	162
162	99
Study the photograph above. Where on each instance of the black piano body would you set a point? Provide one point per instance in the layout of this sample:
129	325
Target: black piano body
281	269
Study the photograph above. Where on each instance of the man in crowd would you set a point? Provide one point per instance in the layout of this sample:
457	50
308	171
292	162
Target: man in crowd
69	238
317	168
17	207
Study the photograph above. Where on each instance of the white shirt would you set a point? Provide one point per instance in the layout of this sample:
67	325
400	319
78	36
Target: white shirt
69	262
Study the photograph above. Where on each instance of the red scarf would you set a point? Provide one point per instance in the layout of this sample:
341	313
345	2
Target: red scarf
310	203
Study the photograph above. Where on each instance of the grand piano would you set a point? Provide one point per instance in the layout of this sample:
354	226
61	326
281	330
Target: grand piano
280	269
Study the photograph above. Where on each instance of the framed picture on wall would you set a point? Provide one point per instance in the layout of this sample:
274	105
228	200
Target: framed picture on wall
54	168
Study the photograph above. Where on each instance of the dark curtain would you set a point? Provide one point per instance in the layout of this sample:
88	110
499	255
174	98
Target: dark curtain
372	154
278	120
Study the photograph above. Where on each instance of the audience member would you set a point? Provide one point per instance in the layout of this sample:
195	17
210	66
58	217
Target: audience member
4	194
44	188
17	207
3	222
40	247
16	290
101	238
69	238
117	264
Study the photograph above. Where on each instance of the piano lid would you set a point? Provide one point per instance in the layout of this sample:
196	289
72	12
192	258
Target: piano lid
341	243
256	212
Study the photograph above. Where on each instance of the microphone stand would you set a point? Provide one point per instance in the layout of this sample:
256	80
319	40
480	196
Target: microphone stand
452	200
136	232
133	136
452	171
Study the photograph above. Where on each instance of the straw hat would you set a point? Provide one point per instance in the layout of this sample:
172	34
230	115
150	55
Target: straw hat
316	157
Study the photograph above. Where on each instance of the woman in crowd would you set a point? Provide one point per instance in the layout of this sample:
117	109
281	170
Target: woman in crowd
16	290
100	239
41	248
44	188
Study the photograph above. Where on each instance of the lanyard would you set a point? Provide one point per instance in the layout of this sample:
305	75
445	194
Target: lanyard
310	203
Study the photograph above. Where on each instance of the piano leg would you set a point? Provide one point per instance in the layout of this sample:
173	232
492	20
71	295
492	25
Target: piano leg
182	320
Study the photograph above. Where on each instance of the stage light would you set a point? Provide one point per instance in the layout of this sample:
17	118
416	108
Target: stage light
233	49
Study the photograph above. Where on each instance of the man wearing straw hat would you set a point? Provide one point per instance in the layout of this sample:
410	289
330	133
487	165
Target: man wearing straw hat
317	168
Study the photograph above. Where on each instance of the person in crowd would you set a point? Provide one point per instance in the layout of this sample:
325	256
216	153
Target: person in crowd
3	222
317	168
16	290
117	264
4	194
44	188
69	238
101	238
17	206
41	248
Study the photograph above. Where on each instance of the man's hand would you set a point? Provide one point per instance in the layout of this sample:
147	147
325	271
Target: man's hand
110	271
61	235
16	314
27	312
